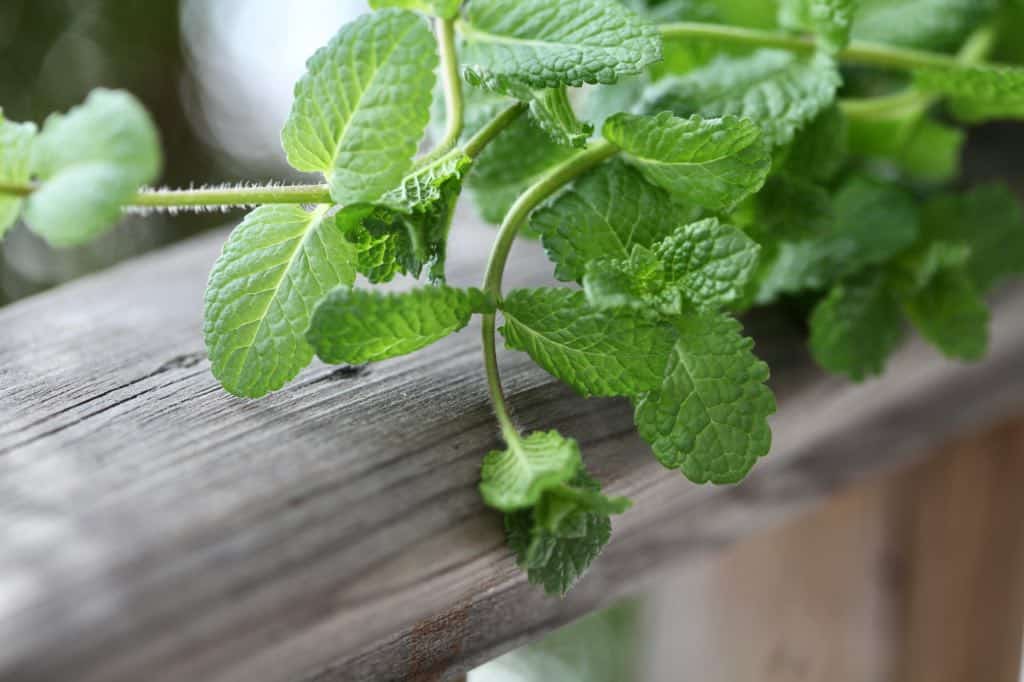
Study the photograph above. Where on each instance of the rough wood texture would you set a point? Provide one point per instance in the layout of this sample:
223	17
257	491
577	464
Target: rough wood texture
914	577
155	528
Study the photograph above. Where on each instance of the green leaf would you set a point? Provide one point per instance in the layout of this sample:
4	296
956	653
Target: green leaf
932	152
550	43
15	158
276	267
926	24
714	163
778	91
91	161
1001	86
552	111
605	214
557	559
355	326
791	208
515	478
361	109
989	220
709	416
598	353
496	183
832	20
820	151
708	262
856	327
951	314
446	9
914	270
638	282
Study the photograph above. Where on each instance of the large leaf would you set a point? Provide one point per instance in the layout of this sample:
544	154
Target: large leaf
926	24
361	109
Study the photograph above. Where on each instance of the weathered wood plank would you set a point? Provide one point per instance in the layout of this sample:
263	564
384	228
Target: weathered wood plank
155	528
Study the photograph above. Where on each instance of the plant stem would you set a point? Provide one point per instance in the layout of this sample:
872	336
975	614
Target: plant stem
483	137
452	83
554	180
858	52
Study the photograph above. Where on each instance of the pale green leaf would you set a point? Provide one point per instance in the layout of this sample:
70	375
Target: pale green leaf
951	314
832	20
926	24
856	327
713	163
598	353
605	214
15	160
515	477
446	9
276	267
709	417
361	109
780	92
554	114
993	86
355	326
932	152
90	162
551	43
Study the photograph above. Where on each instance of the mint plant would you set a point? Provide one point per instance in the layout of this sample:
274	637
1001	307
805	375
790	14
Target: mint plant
731	167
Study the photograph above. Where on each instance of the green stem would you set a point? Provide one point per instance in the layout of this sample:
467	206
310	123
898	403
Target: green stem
858	52
550	183
483	137
452	83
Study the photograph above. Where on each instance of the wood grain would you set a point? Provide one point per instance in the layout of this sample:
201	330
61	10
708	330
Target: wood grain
156	528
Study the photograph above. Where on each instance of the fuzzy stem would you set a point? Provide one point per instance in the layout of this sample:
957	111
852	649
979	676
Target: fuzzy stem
554	180
483	137
452	83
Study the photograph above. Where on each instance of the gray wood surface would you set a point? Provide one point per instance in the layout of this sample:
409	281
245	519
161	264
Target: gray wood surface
154	528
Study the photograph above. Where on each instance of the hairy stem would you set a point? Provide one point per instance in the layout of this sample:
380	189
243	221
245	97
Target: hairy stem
554	180
452	84
858	52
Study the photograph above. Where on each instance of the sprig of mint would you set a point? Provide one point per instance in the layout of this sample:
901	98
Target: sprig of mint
714	168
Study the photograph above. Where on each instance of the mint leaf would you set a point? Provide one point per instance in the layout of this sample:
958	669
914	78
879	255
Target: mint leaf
714	163
778	91
354	326
91	161
708	262
709	416
604	215
951	314
914	270
552	111
932	152
514	478
856	327
446	9
832	20
276	267
791	208
557	558
598	353
988	219
550	43
987	85
15	157
495	183
820	151
926	24
637	282
363	105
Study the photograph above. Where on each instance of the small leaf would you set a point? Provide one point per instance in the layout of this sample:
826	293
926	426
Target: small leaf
598	353
552	111
363	105
605	214
15	158
713	163
856	327
709	416
951	314
516	477
354	326
446	9
987	85
776	90
832	20
551	43
276	267
925	24
821	149
790	208
91	161
638	282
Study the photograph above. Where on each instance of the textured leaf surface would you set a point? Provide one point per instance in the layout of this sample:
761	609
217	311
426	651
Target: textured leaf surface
554	114
515	478
604	215
361	109
276	267
355	326
856	327
951	314
15	157
637	282
986	85
709	416
929	24
556	560
778	91
709	262
91	161
714	163
598	353
446	9
832	20
551	43
989	220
